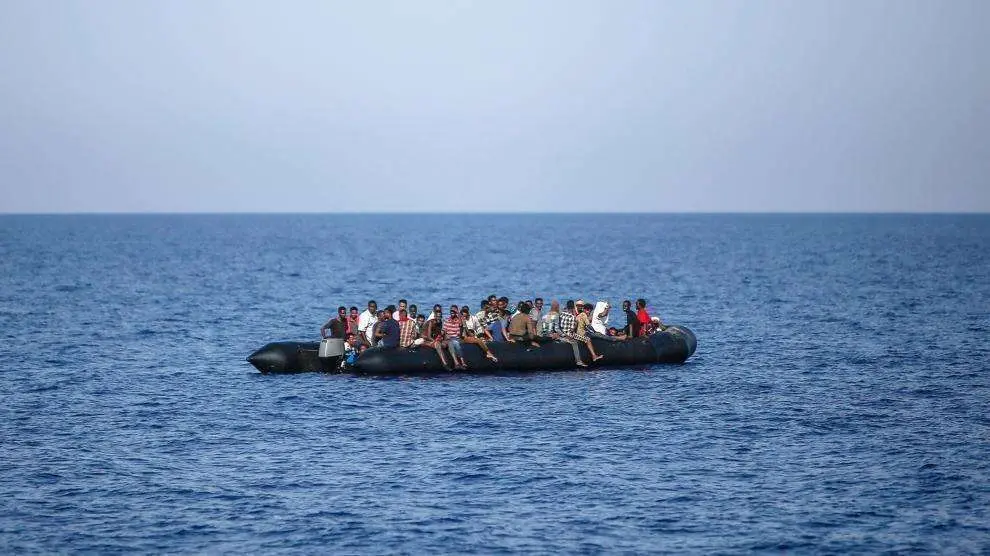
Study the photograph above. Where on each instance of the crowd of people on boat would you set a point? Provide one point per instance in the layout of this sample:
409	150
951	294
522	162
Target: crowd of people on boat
402	326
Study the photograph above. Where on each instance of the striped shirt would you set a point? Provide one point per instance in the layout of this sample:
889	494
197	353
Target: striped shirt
452	328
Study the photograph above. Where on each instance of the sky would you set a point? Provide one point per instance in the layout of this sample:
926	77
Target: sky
497	106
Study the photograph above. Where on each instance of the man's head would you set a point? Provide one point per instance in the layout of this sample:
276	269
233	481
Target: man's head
465	312
372	306
413	311
390	309
454	312
342	312
503	302
402	304
554	306
420	319
381	314
641	303
385	315
354	312
570	305
538	303
492	298
626	305
403	314
349	337
437	310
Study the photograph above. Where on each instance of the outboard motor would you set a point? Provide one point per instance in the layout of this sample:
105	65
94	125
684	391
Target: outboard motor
331	347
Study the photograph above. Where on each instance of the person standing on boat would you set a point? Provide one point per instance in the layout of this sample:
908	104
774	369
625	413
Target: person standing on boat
352	322
337	325
366	323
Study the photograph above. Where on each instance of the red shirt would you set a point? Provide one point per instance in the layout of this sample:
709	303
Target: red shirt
644	319
452	328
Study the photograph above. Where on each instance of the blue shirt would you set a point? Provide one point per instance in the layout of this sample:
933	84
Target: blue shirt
391	330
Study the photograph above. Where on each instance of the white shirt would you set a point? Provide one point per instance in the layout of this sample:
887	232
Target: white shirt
472	323
366	323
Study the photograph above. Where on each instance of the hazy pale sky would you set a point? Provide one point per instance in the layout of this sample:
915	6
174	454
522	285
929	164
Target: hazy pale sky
759	105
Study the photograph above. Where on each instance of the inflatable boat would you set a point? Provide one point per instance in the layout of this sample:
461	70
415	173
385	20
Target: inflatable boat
673	345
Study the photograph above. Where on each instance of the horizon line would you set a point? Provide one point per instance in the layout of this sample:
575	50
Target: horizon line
496	213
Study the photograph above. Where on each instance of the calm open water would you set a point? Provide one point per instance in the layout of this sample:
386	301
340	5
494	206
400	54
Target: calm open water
838	401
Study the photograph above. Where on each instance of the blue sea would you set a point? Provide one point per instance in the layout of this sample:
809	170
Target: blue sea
839	400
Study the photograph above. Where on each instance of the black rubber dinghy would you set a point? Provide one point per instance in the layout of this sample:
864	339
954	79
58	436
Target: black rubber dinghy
673	345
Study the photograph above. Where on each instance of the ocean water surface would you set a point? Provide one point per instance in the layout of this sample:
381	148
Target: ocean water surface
839	400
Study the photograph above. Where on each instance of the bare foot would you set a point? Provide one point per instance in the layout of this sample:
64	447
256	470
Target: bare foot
493	358
582	364
597	357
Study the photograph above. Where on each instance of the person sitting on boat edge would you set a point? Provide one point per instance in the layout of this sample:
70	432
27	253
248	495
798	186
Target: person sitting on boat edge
469	321
632	323
452	337
599	317
521	326
550	323
337	325
536	313
388	331
642	317
583	327
473	333
566	323
575	332
431	336
437	313
494	323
